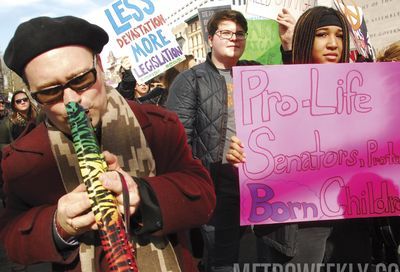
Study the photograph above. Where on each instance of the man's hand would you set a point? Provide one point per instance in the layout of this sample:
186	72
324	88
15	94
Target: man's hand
111	180
286	28
74	213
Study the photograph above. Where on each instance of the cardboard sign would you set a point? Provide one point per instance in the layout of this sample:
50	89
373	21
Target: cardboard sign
204	16
321	141
263	43
357	26
270	8
139	30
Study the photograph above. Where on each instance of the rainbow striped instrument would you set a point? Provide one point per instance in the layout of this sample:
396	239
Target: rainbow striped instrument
120	252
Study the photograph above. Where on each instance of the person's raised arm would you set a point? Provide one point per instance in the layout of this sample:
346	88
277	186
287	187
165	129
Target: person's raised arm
286	28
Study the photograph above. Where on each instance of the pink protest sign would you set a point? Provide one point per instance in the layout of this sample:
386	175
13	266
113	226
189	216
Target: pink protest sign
321	141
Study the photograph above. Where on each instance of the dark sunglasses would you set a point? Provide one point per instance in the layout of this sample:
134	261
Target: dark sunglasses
79	83
19	101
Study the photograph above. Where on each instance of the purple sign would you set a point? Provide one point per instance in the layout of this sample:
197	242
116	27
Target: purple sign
321	141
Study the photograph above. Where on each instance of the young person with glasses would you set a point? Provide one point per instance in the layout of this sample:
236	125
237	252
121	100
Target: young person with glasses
48	216
141	90
203	99
20	121
22	118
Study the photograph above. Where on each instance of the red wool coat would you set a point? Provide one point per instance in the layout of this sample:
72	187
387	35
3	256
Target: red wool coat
33	186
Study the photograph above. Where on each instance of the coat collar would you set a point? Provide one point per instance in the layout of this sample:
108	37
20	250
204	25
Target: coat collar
38	138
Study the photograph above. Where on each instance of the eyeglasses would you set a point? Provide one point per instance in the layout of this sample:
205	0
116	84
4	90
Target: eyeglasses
227	35
79	83
19	101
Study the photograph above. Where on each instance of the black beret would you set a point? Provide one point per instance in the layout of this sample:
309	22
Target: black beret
42	34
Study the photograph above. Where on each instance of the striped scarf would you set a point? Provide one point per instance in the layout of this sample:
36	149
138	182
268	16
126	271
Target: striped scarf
122	135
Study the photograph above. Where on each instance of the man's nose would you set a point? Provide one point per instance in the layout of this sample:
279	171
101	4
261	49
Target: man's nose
234	36
71	96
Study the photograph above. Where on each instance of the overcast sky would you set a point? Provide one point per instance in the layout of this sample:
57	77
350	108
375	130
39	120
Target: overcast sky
13	12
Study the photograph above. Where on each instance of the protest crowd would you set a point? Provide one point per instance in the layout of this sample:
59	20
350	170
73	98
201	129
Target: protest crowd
170	157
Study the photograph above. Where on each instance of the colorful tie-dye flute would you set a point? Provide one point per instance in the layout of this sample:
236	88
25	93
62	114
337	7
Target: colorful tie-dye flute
115	240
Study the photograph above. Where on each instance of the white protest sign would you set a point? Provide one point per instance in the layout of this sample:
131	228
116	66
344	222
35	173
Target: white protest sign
138	30
270	8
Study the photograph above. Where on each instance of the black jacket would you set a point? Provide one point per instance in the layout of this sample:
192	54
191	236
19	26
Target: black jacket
199	97
157	96
127	85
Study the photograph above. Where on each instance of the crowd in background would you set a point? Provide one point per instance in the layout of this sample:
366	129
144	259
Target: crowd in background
201	95
154	91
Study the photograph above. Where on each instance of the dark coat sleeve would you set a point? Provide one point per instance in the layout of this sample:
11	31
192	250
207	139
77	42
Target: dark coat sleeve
182	99
28	237
33	187
127	85
286	56
182	185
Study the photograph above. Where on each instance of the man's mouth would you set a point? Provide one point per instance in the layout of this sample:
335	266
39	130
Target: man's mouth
87	111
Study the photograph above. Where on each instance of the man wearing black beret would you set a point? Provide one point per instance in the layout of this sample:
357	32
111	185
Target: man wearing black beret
47	216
